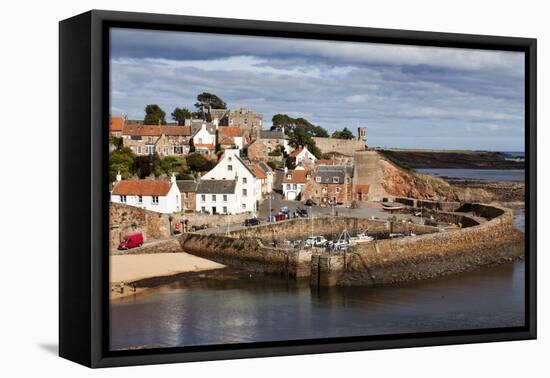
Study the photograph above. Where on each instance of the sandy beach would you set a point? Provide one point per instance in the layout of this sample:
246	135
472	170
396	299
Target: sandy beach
132	268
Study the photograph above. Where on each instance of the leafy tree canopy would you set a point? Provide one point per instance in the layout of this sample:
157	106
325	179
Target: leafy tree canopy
290	124
144	166
180	115
206	100
121	160
154	115
300	137
169	165
344	134
198	163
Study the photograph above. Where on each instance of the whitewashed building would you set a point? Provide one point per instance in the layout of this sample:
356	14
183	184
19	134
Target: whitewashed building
303	156
247	189
204	138
155	195
294	181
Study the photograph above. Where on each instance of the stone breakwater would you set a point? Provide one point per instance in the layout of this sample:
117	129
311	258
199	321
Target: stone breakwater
422	257
249	254
428	254
300	228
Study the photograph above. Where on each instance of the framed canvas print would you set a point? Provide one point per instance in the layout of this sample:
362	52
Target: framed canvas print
234	188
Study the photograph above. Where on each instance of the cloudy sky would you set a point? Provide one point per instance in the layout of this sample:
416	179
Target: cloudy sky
408	96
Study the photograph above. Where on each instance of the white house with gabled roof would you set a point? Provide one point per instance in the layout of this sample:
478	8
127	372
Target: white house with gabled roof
155	195
247	188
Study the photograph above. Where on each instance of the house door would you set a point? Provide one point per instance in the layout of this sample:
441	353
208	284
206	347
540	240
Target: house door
213	209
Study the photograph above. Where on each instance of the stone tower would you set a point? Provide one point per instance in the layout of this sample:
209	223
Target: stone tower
362	134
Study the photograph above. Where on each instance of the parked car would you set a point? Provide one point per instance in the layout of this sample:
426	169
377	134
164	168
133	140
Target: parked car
284	210
131	241
251	222
302	212
310	202
198	227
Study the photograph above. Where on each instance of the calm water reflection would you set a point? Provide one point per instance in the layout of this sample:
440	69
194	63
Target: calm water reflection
240	308
246	309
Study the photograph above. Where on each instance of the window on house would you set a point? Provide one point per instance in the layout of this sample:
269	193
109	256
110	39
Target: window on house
213	198
288	186
140	199
337	190
229	158
348	180
225	198
245	192
203	197
335	180
200	140
318	179
243	206
229	167
155	200
244	180
225	209
203	209
123	199
294	186
289	176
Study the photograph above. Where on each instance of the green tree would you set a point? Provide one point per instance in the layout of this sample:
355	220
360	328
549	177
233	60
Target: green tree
300	137
121	160
198	163
344	134
290	124
169	165
117	142
154	115
180	115
208	100
144	166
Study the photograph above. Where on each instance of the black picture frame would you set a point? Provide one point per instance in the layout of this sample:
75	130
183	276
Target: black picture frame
83	197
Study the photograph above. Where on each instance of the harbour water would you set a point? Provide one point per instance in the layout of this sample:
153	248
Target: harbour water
239	308
476	174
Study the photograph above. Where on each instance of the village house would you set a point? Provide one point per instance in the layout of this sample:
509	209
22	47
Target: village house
230	137
204	138
269	146
261	176
331	185
115	126
294	181
270	175
188	191
303	156
156	195
247	187
247	120
217	197
165	140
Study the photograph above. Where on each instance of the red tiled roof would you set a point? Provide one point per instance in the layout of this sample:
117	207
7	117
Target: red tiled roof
115	123
297	176
324	162
142	187
209	146
226	140
231	131
258	172
296	152
155	130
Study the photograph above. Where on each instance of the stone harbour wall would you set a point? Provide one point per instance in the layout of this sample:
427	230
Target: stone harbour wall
248	253
300	228
428	256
